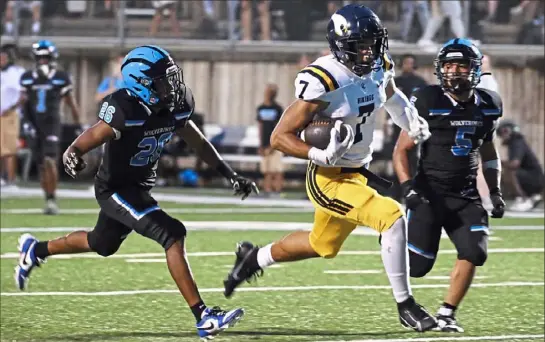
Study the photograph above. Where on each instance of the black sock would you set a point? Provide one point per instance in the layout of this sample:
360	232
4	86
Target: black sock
41	250
50	197
198	309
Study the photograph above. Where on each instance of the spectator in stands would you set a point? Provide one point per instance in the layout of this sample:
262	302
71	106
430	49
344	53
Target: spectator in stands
408	82
408	7
521	171
113	81
441	9
16	5
164	8
9	115
268	115
247	8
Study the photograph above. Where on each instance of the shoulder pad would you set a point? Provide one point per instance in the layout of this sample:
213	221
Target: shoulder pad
491	103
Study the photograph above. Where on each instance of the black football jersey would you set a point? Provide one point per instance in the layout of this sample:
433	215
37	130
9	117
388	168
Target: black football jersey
131	158
449	159
45	94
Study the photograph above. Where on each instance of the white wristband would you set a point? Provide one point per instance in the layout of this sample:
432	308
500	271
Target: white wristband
315	154
492	164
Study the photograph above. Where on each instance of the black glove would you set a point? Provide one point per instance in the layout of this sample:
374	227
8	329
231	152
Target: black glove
243	186
412	198
73	164
498	204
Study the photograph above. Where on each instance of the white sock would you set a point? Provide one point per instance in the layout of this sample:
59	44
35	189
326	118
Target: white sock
395	257
9	27
264	256
443	311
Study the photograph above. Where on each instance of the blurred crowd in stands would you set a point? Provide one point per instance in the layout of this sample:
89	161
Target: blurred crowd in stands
492	21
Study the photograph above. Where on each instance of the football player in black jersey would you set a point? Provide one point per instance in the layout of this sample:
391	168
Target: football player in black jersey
135	123
443	194
45	87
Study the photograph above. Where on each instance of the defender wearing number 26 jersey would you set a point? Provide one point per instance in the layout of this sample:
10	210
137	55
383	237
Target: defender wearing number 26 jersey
131	159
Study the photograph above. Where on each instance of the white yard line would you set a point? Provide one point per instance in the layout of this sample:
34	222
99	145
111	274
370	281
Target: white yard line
267	289
15	255
246	210
195	199
451	338
353	271
246	226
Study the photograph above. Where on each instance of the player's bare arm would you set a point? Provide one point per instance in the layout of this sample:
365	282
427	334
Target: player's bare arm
492	175
401	166
294	119
401	158
90	139
71	102
206	151
196	140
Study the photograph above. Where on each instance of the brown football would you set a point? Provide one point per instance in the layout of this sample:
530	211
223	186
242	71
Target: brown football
318	132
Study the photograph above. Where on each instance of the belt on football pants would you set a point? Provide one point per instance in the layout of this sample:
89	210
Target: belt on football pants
371	177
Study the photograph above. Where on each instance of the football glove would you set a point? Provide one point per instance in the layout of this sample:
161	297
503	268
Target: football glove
412	198
73	164
498	205
419	130
243	186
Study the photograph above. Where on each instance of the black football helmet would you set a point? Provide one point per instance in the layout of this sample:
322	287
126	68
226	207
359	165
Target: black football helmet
357	38
45	55
459	51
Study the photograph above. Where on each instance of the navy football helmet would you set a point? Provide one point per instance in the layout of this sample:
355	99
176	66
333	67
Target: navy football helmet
458	66
357	38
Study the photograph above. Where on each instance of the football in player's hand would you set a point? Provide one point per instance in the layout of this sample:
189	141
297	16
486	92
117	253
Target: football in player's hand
318	132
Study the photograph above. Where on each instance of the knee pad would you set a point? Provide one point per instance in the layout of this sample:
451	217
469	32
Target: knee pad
162	228
477	256
419	264
103	245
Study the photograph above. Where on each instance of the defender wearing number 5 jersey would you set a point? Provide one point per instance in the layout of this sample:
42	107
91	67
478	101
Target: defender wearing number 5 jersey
348	86
462	120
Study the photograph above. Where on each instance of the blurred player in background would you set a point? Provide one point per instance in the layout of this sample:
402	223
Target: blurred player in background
462	121
135	123
9	114
45	87
348	86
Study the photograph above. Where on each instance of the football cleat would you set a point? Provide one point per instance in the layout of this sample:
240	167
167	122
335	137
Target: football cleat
447	324
216	320
413	316
27	260
245	267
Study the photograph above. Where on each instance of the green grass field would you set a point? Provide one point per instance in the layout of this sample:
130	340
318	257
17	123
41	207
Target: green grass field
131	297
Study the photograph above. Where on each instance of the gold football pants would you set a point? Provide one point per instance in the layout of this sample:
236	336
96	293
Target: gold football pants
343	201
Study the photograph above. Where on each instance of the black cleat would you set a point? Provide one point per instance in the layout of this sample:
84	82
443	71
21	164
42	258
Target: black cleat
447	324
245	268
413	316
